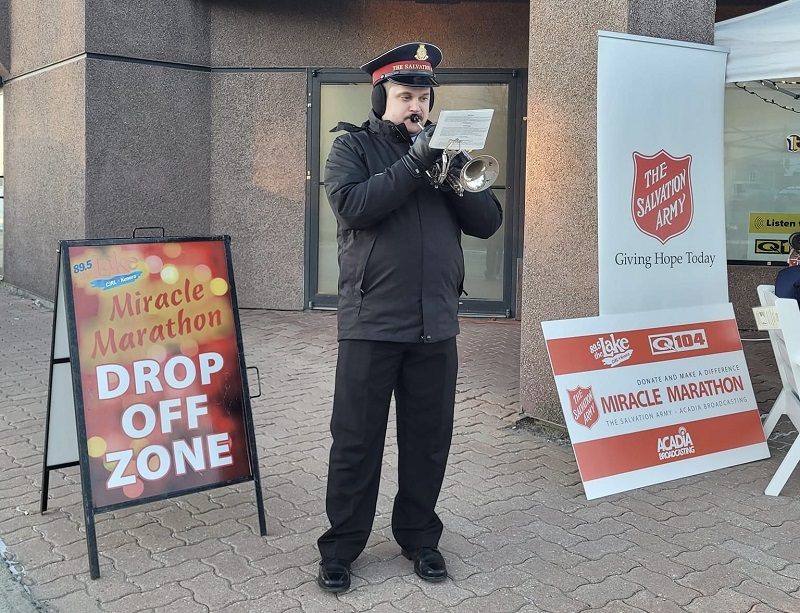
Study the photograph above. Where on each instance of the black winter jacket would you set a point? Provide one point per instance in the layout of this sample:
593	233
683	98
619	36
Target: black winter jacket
401	267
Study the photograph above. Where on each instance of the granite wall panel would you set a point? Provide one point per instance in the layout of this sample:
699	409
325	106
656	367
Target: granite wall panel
343	33
5	39
674	20
148	143
258	182
45	169
174	31
43	32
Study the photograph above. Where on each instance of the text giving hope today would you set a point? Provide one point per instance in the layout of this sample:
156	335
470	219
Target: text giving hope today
659	258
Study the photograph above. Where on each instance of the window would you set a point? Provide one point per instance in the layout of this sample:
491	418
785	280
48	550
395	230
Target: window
762	173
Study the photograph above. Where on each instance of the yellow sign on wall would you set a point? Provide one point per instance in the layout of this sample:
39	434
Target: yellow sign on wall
774	223
772	246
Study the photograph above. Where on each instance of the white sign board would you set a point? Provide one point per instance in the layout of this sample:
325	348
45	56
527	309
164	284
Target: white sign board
654	396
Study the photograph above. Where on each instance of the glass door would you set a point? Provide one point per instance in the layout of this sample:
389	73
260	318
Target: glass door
489	264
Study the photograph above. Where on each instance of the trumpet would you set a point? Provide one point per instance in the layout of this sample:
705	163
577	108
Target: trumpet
477	173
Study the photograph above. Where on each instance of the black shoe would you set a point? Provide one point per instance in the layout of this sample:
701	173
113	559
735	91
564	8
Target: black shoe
428	563
334	575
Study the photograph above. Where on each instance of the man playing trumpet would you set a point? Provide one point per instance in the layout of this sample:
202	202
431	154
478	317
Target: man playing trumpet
401	273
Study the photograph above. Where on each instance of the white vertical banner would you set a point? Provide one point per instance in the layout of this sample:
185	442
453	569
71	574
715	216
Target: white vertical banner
661	210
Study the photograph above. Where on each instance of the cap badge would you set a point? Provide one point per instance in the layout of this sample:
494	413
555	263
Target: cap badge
422	53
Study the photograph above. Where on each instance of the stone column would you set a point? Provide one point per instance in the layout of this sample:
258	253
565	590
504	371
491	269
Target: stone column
44	124
107	125
559	278
5	38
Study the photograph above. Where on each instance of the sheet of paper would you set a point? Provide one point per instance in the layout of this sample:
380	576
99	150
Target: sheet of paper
462	129
767	318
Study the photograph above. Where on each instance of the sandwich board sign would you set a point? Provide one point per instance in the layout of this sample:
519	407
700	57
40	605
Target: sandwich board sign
148	380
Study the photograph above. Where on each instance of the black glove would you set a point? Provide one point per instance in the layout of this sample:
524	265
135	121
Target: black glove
457	162
421	157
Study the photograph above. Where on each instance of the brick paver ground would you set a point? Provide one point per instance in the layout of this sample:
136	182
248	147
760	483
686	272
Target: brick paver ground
519	532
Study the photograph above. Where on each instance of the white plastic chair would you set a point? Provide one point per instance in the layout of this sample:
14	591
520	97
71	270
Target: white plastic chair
786	347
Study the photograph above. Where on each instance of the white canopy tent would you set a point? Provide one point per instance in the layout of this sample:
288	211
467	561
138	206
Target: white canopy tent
762	45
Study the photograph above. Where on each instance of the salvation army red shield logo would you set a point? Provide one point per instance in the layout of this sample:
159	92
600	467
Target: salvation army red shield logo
583	407
662	205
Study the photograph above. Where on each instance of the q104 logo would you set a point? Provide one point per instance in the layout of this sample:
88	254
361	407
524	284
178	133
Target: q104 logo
678	342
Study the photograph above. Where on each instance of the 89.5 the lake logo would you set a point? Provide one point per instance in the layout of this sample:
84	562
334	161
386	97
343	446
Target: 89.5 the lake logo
611	350
662	205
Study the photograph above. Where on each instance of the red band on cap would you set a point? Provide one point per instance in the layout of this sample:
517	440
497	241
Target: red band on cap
395	67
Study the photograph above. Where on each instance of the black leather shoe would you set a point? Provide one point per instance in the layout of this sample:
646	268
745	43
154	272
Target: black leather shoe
334	575
428	564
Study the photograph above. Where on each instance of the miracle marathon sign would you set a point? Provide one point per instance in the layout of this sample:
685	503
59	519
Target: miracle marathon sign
656	396
160	369
661	214
158	378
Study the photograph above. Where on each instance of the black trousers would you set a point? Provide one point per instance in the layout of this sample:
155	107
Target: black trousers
423	379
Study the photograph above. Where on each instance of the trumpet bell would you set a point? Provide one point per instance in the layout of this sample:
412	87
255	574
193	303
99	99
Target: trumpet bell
479	173
476	174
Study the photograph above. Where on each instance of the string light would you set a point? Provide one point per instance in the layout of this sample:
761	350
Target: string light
757	95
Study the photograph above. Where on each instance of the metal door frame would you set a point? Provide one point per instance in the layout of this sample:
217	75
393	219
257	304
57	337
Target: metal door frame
516	81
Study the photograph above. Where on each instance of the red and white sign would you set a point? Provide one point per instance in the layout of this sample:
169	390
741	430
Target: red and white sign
583	407
161	392
662	205
660	195
654	396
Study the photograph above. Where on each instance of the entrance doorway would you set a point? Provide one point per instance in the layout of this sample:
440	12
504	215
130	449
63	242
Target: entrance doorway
490	265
